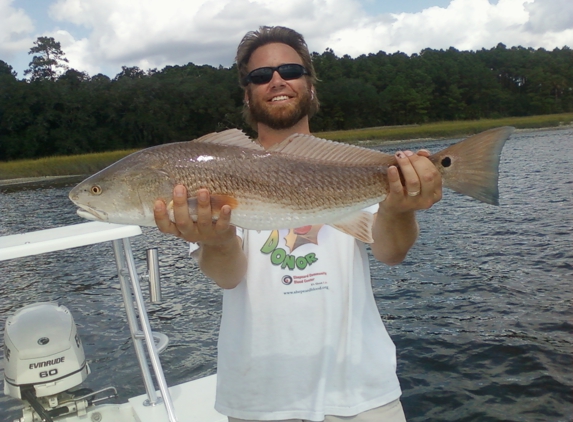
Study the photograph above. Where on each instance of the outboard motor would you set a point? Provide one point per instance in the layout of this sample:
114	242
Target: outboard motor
42	351
44	358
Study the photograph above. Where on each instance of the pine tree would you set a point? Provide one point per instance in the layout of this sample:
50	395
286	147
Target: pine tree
50	63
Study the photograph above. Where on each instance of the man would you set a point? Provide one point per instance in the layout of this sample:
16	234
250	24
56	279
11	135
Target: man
301	342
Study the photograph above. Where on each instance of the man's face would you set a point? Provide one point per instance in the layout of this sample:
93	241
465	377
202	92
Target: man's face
279	104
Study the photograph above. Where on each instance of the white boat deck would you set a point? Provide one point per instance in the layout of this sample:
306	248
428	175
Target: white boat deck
193	402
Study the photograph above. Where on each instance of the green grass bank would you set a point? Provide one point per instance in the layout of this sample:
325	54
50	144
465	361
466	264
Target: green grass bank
439	130
90	163
82	164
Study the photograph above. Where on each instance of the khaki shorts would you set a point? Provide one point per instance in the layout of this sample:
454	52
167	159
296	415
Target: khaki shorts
391	412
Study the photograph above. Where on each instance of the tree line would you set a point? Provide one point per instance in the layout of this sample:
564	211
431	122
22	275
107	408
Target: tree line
60	111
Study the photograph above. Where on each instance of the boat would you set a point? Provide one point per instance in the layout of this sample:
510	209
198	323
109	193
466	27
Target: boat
44	362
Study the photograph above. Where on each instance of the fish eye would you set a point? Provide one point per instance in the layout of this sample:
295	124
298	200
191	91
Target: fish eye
96	190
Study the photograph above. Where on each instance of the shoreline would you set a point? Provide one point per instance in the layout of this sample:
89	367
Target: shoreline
383	142
7	185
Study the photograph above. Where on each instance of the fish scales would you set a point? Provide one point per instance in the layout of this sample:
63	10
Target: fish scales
289	181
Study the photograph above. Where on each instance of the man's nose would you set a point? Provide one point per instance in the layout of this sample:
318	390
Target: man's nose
277	80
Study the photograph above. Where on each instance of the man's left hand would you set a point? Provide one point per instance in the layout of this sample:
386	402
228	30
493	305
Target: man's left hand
420	188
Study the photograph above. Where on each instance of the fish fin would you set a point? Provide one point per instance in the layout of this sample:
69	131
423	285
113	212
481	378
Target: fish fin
171	214
232	137
357	225
471	167
196	254
217	202
169	208
311	147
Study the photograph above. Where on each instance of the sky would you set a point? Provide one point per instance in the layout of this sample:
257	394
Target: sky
101	36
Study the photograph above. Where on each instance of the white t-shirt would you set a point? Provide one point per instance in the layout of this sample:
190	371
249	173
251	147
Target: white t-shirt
301	336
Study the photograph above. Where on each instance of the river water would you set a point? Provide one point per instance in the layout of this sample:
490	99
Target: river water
480	311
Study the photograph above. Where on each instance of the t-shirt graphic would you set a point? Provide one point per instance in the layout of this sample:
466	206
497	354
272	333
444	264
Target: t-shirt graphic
281	247
282	251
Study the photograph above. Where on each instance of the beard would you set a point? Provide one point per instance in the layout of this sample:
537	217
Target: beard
282	117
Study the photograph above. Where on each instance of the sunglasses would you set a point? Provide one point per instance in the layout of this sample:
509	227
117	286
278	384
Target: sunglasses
263	75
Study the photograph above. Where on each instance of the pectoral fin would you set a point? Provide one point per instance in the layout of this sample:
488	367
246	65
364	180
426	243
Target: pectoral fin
357	225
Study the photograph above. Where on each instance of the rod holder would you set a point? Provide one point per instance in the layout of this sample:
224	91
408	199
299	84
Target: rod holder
153	271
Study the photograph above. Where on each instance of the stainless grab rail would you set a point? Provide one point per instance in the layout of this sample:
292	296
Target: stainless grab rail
132	293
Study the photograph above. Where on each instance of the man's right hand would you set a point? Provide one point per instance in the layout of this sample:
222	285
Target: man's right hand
220	256
205	230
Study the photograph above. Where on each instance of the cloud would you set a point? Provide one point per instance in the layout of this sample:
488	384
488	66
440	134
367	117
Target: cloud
15	29
464	24
550	16
149	34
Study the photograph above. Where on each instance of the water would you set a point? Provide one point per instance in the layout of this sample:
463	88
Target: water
480	311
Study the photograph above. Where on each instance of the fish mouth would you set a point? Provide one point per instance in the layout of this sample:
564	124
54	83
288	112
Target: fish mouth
91	214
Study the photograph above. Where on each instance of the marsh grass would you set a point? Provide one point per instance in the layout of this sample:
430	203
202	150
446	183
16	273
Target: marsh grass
444	129
90	163
82	164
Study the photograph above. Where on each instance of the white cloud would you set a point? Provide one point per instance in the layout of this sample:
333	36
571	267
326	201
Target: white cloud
15	29
148	33
153	34
464	24
550	16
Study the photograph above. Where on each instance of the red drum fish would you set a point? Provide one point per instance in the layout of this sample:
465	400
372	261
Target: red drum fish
302	181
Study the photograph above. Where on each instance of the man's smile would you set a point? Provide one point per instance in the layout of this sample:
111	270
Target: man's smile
280	98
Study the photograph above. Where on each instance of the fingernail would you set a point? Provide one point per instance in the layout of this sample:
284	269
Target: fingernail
409	153
202	196
178	191
158	206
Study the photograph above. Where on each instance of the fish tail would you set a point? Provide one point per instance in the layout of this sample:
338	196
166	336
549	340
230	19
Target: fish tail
471	167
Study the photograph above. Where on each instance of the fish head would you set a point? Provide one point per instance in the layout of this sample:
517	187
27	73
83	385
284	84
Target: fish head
122	194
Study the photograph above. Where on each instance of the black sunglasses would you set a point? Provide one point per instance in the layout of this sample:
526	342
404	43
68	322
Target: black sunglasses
263	75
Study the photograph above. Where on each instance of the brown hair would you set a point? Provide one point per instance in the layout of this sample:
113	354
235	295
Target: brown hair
274	34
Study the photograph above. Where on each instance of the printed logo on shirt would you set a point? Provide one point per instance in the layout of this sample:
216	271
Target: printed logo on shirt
308	283
293	240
